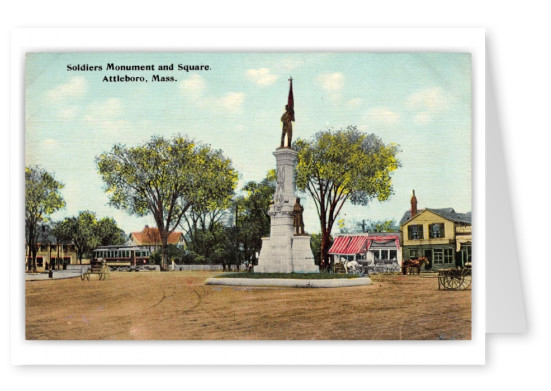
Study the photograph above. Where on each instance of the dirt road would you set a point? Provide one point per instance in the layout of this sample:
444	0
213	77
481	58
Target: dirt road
177	305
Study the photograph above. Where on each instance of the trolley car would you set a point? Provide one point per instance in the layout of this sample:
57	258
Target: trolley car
123	255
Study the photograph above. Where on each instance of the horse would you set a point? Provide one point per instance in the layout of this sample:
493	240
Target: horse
351	266
414	264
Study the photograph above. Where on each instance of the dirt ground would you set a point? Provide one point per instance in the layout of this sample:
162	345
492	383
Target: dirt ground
177	305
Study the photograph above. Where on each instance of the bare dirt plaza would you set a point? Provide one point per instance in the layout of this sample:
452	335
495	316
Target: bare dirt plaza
177	305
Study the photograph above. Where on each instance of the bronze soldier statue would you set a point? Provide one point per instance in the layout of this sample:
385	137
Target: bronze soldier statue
286	118
298	221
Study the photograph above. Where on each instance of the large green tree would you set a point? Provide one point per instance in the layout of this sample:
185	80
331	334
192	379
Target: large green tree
340	166
42	198
108	232
165	178
80	230
370	226
87	233
252	219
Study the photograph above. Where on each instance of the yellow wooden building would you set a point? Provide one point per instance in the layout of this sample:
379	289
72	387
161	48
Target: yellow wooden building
52	254
441	235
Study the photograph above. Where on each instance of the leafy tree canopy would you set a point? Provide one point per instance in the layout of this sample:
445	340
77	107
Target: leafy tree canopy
165	178
42	194
344	165
88	233
371	226
42	198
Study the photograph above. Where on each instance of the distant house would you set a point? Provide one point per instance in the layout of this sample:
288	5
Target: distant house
51	252
441	235
150	238
367	247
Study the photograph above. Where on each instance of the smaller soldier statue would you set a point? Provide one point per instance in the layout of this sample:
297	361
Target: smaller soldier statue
298	222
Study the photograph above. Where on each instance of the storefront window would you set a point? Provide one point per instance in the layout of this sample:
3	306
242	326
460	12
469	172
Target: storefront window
448	255
438	256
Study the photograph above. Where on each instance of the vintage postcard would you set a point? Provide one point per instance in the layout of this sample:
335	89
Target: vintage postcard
248	196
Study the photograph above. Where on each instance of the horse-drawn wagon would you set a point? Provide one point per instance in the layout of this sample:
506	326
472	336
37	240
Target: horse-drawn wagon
99	267
455	278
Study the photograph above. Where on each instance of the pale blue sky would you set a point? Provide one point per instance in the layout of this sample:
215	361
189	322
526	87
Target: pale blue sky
421	101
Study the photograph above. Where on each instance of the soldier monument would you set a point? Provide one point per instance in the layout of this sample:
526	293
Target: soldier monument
287	249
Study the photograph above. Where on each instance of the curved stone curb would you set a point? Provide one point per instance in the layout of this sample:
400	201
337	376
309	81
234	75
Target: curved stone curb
57	276
290	283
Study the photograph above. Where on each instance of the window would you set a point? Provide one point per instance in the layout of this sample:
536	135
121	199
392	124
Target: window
415	232
393	254
466	254
384	254
375	253
448	255
436	230
438	256
413	254
39	261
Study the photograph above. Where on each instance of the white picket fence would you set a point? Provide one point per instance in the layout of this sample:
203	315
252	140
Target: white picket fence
211	268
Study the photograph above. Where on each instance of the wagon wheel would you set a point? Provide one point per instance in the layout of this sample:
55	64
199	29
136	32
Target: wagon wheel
467	279
442	281
454	281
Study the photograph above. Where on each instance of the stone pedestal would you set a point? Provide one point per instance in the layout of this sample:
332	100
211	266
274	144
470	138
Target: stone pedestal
283	251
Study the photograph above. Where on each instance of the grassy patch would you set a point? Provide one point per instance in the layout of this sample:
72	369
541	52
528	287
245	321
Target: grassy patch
297	276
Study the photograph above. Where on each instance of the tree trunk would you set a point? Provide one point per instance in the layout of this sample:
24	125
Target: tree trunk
34	260
324	250
164	261
164	250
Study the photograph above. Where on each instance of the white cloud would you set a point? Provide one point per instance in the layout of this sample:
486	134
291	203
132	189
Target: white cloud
383	116
194	88
67	112
355	103
261	76
105	116
291	63
50	143
427	103
106	109
232	101
332	81
75	88
194	85
423	118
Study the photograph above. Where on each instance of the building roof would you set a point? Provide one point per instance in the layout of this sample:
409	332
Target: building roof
350	244
339	245
151	237
447	213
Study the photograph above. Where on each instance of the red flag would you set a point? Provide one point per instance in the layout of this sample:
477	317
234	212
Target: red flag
291	100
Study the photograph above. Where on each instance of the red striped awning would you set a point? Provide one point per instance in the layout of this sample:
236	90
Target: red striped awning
339	245
350	245
356	245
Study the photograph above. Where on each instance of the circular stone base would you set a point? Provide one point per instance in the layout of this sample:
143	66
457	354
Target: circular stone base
291	283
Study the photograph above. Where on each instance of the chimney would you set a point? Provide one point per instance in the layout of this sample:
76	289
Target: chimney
413	205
